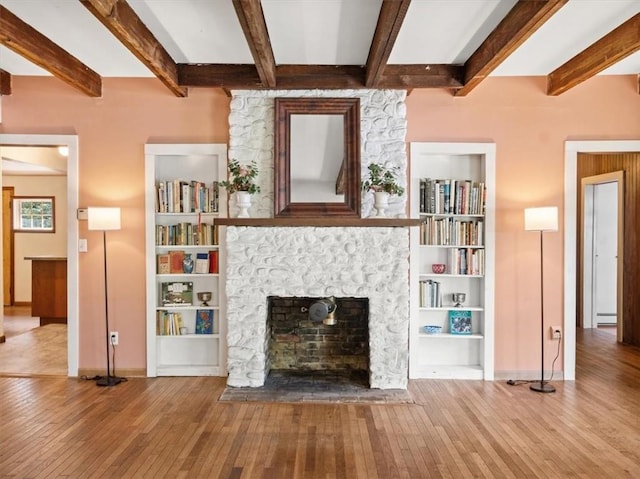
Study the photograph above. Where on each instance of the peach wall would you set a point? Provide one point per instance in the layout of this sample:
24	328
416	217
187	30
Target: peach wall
528	127
112	131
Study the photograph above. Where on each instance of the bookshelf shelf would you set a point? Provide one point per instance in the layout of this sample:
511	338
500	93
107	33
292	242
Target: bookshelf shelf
173	347
452	194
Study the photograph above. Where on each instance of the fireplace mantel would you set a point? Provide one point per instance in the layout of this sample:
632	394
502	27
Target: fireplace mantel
319	221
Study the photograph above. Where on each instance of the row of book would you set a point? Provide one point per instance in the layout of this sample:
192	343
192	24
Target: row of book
458	197
430	294
173	262
178	196
450	231
171	323
187	234
466	261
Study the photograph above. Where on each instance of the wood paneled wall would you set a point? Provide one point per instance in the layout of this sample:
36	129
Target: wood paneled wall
590	164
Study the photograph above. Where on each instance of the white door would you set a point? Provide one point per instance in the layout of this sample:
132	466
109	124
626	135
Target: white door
605	203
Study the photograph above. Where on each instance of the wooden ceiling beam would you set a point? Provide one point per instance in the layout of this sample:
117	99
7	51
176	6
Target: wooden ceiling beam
122	21
610	49
5	82
35	47
520	23
392	14
309	77
254	26
422	76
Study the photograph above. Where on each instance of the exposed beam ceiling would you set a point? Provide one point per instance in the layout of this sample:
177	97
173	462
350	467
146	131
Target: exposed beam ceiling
610	49
31	44
254	26
126	26
162	37
390	20
519	24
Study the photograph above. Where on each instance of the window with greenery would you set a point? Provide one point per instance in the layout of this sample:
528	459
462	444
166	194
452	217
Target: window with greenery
34	214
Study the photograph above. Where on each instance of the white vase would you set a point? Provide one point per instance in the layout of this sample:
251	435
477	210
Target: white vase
243	202
381	202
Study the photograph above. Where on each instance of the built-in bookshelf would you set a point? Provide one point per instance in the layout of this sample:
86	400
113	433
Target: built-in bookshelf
185	330
452	251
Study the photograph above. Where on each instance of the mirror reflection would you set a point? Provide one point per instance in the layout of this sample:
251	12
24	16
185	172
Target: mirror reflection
317	158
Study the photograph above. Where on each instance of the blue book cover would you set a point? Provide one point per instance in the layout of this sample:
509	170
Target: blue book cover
459	321
204	321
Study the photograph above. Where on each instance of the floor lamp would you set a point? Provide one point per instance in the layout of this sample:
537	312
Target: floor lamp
541	219
105	219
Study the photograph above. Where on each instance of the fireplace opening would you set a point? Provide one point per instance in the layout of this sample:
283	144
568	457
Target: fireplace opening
324	340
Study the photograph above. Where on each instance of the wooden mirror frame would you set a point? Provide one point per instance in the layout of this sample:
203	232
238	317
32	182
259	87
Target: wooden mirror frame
349	108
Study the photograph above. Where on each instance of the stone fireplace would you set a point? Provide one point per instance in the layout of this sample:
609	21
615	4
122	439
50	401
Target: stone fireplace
313	261
361	262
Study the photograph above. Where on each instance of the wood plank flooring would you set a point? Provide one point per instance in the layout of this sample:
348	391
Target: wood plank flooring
176	428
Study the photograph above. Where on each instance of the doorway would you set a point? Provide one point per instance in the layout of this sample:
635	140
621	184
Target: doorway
7	246
571	227
602	251
71	226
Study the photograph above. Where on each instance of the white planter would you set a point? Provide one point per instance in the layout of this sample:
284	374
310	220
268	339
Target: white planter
381	202
243	203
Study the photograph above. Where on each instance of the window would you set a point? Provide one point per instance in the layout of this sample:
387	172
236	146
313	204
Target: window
34	214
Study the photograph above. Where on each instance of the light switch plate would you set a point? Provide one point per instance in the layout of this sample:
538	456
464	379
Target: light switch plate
83	214
82	245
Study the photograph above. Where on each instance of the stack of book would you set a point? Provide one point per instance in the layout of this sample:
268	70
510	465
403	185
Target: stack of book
178	196
458	197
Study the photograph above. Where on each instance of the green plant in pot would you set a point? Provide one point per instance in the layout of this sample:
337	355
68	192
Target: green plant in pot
242	183
383	183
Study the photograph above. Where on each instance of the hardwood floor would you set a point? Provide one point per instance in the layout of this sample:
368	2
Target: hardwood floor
175	427
31	349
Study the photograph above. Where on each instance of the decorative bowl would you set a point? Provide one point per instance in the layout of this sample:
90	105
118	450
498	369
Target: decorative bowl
432	329
438	268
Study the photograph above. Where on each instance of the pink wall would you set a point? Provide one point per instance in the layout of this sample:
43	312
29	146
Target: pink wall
112	132
528	127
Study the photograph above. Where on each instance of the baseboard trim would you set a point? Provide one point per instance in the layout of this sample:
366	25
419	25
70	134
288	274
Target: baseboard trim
22	303
123	373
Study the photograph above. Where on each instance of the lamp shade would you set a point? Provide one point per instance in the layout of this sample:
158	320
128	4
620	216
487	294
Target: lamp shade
103	219
541	219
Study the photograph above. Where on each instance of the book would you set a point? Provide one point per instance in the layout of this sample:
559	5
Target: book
164	263
202	263
177	294
459	321
204	321
213	261
176	257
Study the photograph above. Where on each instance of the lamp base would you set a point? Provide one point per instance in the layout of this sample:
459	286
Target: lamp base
109	381
542	387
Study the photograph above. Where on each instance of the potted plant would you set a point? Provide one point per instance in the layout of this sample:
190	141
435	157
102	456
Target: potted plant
241	182
382	181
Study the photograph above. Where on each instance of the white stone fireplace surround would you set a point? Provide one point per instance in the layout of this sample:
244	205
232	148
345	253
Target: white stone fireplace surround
360	262
318	261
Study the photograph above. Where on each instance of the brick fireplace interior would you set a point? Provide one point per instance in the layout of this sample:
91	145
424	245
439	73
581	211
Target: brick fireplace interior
305	347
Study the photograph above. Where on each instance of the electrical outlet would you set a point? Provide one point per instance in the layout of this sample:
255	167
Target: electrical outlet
113	338
556	332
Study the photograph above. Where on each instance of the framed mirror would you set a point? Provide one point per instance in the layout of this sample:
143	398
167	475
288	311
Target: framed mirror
317	157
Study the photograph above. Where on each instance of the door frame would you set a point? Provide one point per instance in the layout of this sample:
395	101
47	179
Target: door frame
70	141
571	150
586	195
10	240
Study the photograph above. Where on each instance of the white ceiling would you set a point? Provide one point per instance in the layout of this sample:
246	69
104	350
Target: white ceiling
333	32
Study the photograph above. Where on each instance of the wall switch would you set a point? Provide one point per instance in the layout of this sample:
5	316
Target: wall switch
82	214
113	338
556	332
82	245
